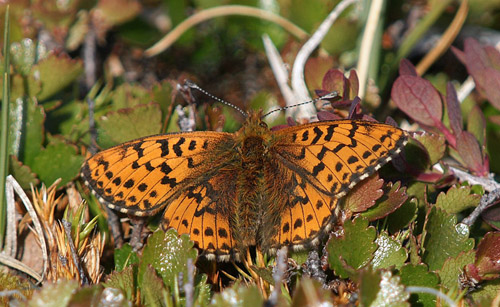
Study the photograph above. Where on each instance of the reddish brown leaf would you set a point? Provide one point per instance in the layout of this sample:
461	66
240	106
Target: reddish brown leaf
364	195
334	80
315	69
393	198
323	115
471	153
353	84
407	68
418	99
488	256
453	106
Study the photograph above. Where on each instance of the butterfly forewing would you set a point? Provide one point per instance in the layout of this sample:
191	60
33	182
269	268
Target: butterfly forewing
141	176
335	155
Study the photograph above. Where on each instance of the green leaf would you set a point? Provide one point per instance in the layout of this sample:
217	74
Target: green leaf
152	289
354	248
85	296
168	254
419	275
125	256
453	268
238	295
58	160
131	123
162	94
78	30
389	253
457	198
417	156
476	124
56	72
25	54
125	281
129	96
265	273
26	132
23	174
391	293
434	144
369	286
403	216
56	295
486	294
443	238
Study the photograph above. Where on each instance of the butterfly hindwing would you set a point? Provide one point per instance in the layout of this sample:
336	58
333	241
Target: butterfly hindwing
203	211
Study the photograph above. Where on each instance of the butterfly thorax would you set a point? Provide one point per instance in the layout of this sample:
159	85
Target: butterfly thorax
253	141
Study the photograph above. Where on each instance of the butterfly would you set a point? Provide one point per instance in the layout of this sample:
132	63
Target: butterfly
255	187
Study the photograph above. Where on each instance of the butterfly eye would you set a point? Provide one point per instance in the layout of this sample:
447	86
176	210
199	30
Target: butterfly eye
263	124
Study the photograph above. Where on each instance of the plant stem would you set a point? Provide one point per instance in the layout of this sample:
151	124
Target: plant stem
4	166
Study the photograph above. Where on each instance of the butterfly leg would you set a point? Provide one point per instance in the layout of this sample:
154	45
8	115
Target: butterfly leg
136	236
114	226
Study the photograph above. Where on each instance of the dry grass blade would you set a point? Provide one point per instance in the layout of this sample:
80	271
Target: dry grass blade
12	186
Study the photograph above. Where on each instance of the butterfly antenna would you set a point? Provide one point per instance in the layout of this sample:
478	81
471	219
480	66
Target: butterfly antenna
330	95
196	87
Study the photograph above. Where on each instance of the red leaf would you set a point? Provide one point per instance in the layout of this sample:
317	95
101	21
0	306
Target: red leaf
418	99
459	54
492	216
493	56
481	63
453	106
406	68
470	152
334	80
476	59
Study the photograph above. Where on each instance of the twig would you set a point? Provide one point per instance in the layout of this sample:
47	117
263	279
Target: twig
489	185
366	47
278	275
219	11
279	70
486	201
114	225
74	255
298	82
89	54
189	286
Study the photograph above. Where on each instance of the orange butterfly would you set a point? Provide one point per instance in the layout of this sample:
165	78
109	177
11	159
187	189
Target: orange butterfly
229	191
